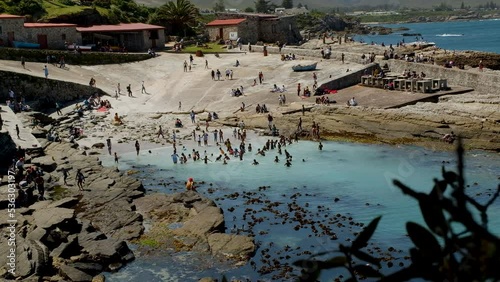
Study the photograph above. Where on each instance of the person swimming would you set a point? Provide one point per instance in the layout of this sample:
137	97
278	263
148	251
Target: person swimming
276	160
190	184
288	163
320	146
255	162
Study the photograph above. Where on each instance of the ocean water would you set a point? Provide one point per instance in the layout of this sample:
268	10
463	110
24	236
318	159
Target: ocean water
340	186
480	35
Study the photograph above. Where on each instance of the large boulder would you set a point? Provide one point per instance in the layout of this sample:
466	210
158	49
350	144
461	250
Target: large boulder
47	163
231	246
49	217
74	274
207	221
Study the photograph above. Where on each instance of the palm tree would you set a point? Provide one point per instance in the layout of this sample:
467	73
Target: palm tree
179	15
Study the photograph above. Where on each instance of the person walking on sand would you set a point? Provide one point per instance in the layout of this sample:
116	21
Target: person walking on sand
80	179
17	132
58	108
143	90
116	158
185	66
118	88
342	56
137	147
129	90
180	105
160	132
46	71
206	64
298	89
23	62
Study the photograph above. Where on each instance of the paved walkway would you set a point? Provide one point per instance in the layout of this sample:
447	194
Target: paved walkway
26	140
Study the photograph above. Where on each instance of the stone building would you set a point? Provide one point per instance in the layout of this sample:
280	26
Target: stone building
254	27
134	36
11	29
52	36
48	35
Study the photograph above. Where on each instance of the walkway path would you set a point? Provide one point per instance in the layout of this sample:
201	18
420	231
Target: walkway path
26	140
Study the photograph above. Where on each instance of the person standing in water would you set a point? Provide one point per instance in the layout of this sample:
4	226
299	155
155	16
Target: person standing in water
137	147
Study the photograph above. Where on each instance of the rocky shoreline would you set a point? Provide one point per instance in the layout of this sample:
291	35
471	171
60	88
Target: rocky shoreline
74	236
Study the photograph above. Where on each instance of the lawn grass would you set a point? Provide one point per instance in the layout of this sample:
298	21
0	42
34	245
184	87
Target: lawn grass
212	48
55	9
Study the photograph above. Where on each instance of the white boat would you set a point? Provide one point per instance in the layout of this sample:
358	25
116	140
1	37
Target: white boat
82	48
421	44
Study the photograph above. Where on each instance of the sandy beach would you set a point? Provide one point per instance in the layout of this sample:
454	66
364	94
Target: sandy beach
473	115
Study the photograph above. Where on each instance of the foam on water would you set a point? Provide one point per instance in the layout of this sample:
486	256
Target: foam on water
360	176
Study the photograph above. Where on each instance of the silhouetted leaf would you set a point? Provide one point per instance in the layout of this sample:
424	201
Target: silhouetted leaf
433	216
310	276
424	241
367	271
224	279
366	257
305	263
450	176
438	190
339	261
365	235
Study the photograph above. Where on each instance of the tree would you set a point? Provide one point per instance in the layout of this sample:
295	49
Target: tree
180	16
249	10
454	246
262	6
219	6
287	4
299	5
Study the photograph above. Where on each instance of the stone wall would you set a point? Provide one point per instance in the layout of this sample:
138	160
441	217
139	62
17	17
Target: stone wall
267	28
213	32
7	150
86	58
55	36
248	31
160	42
11	25
283	29
349	79
482	82
337	56
41	92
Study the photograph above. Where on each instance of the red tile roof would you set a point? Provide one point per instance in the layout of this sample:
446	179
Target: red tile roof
7	16
225	22
119	27
40	25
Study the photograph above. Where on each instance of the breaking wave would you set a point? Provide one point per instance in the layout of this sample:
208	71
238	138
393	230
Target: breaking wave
449	34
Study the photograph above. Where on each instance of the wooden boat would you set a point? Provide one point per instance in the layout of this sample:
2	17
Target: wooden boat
304	67
19	44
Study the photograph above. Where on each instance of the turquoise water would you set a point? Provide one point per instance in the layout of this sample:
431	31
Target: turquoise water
462	35
350	180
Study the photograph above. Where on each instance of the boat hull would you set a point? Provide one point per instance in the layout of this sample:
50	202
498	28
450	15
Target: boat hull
305	67
26	45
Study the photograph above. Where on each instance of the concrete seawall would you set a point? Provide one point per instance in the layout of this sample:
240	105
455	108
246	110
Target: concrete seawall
45	91
335	56
348	79
481	82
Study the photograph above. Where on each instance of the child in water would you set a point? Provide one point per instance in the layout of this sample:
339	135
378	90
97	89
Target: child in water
190	184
